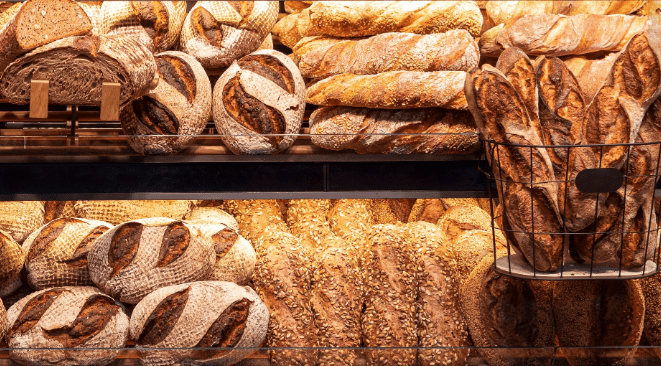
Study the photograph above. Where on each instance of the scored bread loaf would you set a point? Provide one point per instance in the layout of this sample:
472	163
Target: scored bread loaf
212	215
58	209
56	253
208	315
77	67
431	209
117	212
36	23
178	107
219	32
292	28
590	73
20	218
387	131
258	103
137	257
391	211
594	314
389	318
501	11
558	35
322	57
391	90
62	318
154	24
12	259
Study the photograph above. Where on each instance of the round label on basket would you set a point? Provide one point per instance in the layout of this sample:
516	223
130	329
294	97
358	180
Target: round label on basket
601	180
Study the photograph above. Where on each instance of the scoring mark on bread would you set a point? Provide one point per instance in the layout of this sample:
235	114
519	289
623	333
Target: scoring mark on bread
124	246
155	116
206	25
153	18
48	235
175	242
163	318
79	257
178	74
244	8
34	310
269	68
227	330
223	241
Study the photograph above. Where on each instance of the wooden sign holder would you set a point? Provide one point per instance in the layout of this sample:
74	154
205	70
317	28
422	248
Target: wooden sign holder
110	94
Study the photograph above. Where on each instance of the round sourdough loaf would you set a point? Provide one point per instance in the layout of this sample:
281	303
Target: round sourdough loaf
258	103
199	315
58	209
117	212
67	317
155	24
212	215
176	110
20	218
11	264
140	256
219	32
56	253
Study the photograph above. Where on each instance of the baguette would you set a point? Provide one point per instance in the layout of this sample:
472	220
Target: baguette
558	35
590	73
385	131
322	57
392	90
292	28
293	7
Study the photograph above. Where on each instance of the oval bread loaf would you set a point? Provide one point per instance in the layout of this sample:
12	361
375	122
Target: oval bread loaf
140	256
56	253
12	259
219	32
77	67
58	209
501	11
199	315
176	110
155	24
260	94
20	218
3	322
67	317
117	212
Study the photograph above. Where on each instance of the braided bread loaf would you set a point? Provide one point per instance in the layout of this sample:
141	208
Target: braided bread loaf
12	259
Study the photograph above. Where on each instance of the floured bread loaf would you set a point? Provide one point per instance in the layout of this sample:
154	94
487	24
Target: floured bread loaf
11	264
212	215
219	32
292	28
35	23
117	212
155	24
20	218
3	322
93	11
77	67
56	253
262	93
199	315
267	44
499	12
67	317
590	73
58	209
178	107
140	256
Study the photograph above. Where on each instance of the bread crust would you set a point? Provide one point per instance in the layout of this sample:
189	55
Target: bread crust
12	259
117	212
501	11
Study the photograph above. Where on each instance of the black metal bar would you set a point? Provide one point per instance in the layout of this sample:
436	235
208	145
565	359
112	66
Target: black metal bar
624	210
596	212
532	217
564	214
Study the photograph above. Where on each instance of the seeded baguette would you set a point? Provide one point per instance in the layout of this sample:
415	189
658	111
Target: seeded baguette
352	220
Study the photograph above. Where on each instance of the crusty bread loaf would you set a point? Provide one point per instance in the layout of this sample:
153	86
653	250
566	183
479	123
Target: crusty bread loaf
431	209
155	24
93	11
458	219
3	323
391	211
117	212
212	215
558	35
510	317
38	22
20	218
178	107
471	247
322	57
62	318
137	257
292	28
258	103
590	73
391	90
58	209
307	219
440	321
358	19
267	44
352	220
12	259
207	315
56	253
293	7
256	217
77	67
388	131
651	287
391	290
219	32
592	314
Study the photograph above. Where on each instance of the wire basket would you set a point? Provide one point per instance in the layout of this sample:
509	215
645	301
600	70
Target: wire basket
574	211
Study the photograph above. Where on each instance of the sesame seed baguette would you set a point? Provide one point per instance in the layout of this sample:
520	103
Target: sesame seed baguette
352	220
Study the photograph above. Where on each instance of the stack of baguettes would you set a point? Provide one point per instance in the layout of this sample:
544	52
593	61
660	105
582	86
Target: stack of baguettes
382	68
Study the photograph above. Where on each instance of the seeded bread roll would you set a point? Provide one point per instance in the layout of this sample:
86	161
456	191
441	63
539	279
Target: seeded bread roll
511	318
117	212
440	321
431	209
20	218
219	32
170	318
11	264
258	103
594	314
501	11
36	23
178	107
67	317
140	256
154	24
56	253
391	211
77	67
58	209
391	290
